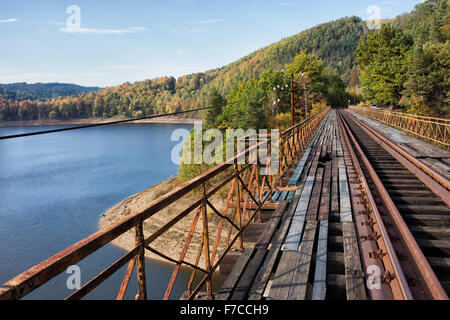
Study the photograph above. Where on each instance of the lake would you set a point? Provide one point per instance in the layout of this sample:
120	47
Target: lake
55	187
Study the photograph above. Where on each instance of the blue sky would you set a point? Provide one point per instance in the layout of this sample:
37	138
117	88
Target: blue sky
133	40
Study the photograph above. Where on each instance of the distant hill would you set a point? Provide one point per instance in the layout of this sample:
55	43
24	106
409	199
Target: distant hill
42	91
333	42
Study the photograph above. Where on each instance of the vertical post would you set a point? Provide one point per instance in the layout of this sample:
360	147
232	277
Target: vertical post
237	202
140	263
292	99
305	94
206	243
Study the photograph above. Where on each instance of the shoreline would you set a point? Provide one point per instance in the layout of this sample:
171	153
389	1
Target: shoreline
172	241
48	122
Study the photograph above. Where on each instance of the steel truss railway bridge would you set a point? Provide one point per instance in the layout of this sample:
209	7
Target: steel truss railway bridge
360	209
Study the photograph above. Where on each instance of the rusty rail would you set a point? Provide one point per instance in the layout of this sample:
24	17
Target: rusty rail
399	286
247	191
416	257
430	129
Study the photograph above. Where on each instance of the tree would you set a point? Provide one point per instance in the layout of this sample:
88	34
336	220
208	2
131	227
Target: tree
382	58
309	64
216	103
429	78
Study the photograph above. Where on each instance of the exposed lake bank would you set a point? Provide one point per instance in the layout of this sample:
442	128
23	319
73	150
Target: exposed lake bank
50	122
171	242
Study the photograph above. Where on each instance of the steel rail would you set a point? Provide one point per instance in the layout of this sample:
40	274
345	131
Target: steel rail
419	164
432	129
430	279
399	286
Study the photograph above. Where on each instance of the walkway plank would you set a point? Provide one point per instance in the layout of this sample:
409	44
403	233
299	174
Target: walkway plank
282	280
344	194
228	287
313	208
298	171
354	275
262	279
295	232
241	285
324	210
299	284
320	276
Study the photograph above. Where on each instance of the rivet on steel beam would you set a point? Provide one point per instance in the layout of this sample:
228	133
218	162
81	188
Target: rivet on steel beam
368	223
377	254
388	277
373	236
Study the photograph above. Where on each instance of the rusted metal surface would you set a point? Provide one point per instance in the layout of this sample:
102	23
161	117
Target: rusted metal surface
140	263
415	165
96	281
417	261
249	193
295	140
126	279
400	288
435	130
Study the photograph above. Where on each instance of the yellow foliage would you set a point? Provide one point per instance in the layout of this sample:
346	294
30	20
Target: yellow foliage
318	106
418	107
282	121
364	104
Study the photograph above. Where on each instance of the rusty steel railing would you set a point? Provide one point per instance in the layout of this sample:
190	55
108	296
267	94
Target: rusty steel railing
434	130
295	140
244	189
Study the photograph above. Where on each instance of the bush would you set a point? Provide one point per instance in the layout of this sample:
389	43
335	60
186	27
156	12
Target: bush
53	115
281	121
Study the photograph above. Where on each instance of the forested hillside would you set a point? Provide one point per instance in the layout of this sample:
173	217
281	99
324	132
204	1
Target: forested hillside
406	64
333	42
42	91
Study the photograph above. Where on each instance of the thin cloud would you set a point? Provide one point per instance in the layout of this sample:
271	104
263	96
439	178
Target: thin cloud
209	21
99	31
138	28
9	20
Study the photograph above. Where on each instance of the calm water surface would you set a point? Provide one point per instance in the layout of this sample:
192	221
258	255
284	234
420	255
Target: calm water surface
55	187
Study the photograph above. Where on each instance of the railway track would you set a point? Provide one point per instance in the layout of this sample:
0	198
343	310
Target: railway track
404	215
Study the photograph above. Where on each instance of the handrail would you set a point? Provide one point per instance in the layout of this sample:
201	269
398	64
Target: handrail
431	129
294	141
248	192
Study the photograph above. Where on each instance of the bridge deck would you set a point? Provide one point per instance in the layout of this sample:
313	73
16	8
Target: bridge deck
435	157
309	249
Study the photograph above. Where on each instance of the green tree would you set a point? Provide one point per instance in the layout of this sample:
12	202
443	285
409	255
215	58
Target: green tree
429	77
216	102
382	58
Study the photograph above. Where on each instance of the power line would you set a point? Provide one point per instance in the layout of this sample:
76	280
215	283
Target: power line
114	122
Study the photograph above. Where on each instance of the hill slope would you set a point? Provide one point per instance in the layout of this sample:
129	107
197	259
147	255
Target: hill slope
333	42
42	91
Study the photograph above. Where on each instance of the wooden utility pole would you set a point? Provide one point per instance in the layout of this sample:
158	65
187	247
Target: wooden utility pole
292	99
305	93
